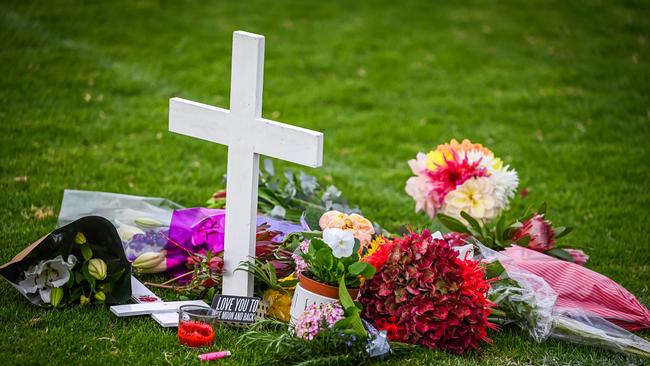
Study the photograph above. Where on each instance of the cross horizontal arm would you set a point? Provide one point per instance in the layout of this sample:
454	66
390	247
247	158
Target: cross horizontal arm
270	138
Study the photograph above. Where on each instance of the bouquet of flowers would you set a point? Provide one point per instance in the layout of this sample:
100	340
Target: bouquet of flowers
80	263
423	293
458	177
585	308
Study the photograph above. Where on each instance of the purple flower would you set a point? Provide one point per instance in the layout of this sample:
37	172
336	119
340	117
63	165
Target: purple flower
151	241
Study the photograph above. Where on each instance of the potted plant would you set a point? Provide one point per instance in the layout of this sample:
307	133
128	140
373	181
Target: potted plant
322	264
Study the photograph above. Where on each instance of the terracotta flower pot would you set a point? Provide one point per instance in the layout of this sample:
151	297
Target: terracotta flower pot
309	291
324	289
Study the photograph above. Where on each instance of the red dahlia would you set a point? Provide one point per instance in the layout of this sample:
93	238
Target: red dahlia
424	294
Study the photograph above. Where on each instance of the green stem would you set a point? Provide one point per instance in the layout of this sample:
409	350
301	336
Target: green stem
177	278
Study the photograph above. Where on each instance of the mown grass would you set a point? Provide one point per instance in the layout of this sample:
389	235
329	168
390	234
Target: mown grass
559	89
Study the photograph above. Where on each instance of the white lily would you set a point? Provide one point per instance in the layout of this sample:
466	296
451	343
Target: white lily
341	242
46	275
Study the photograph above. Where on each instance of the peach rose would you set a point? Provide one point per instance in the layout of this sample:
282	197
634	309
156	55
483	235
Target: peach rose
362	229
335	220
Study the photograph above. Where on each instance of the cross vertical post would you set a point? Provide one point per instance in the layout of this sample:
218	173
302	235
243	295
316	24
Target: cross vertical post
246	83
247	136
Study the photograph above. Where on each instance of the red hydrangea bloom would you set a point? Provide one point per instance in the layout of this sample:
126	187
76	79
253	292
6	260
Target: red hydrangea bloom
424	294
448	177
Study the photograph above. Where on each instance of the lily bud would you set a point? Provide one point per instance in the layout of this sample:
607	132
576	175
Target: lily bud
97	268
147	223
80	238
150	262
100	296
83	300
56	295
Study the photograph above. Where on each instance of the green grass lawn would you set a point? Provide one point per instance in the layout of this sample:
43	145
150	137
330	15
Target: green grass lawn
561	90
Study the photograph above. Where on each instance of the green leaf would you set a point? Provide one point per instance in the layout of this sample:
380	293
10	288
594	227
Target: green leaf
315	245
56	295
542	209
324	258
312	216
344	296
472	221
452	223
523	241
363	269
562	231
493	270
91	280
86	252
78	277
508	233
352	318
560	253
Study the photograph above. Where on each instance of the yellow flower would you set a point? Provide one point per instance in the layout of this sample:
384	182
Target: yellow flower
279	304
83	300
290	277
100	296
80	238
375	245
436	158
497	164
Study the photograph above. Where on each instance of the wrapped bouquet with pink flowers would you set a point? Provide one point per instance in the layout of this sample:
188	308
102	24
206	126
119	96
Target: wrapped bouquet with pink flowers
458	177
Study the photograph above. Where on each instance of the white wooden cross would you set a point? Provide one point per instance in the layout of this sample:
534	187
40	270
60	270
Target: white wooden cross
247	136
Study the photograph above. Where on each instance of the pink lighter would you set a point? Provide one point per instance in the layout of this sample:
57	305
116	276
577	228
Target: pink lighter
214	355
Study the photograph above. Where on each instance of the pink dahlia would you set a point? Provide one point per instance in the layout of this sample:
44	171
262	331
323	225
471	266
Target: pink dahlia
449	176
424	294
539	231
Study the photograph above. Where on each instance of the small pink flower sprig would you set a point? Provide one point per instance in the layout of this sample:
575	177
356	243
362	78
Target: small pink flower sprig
318	317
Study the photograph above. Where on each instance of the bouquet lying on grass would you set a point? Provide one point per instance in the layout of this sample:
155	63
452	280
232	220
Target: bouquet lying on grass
81	263
525	299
